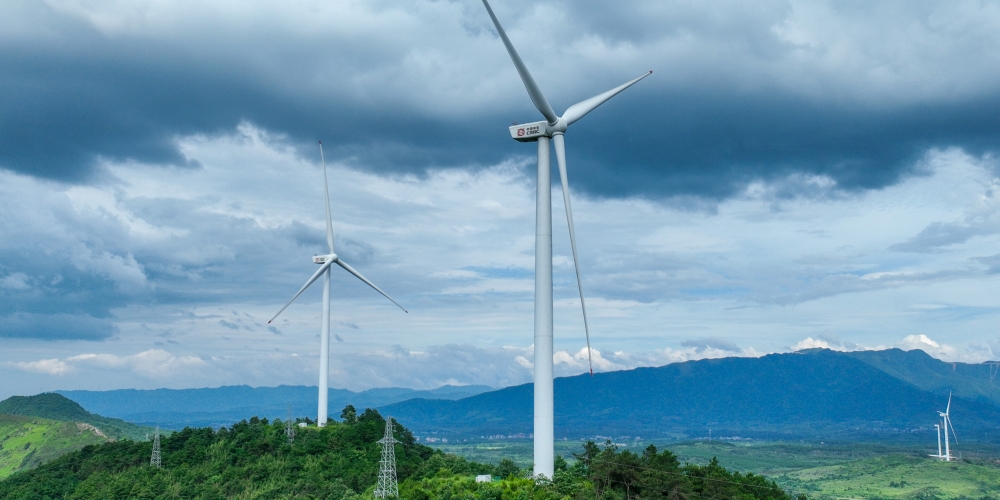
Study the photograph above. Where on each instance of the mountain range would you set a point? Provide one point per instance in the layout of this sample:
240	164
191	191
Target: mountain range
818	393
813	393
219	406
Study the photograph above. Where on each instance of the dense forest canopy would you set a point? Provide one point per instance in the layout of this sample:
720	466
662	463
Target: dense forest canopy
254	459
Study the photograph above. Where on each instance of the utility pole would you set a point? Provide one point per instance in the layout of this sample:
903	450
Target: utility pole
154	460
387	487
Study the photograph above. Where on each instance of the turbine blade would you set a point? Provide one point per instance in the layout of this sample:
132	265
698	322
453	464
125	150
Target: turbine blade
362	278
319	272
537	98
578	110
952	427
326	191
560	143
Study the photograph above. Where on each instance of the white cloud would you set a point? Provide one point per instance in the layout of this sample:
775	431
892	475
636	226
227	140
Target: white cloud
580	361
811	343
15	281
154	364
924	343
46	366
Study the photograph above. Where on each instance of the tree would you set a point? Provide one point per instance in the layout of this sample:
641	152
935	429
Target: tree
349	415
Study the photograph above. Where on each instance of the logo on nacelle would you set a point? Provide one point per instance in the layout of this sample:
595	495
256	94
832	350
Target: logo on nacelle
528	132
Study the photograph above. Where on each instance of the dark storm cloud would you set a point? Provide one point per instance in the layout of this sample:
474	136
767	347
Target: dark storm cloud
81	96
714	144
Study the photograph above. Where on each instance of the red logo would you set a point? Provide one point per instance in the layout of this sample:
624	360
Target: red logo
520	132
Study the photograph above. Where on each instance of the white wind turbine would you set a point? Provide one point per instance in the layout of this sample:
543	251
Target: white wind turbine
326	261
946	419
938	428
542	132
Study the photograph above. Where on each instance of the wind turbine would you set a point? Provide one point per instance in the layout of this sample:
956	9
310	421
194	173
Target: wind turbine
938	428
946	419
939	455
326	261
551	129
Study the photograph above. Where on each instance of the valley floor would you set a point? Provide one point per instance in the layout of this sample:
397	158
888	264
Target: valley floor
821	471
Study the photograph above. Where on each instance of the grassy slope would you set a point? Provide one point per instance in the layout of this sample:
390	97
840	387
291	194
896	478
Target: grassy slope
26	442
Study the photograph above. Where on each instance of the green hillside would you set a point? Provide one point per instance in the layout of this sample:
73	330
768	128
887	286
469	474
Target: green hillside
57	407
253	459
26	442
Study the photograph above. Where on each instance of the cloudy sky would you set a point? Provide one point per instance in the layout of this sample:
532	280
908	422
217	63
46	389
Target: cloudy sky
793	174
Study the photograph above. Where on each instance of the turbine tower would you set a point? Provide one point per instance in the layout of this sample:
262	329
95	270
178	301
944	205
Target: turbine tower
551	130
938	428
387	487
946	419
325	262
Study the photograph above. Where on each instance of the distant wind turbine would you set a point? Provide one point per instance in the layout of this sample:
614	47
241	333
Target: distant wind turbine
946	419
552	128
326	261
938	428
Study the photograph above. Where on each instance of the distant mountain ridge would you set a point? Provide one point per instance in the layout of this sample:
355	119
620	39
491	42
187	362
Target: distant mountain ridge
808	393
215	407
969	381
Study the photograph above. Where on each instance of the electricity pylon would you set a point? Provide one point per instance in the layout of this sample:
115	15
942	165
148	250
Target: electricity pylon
387	467
290	426
154	460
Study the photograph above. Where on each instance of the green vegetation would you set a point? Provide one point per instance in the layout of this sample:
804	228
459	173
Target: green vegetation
26	442
57	407
899	476
253	459
819	470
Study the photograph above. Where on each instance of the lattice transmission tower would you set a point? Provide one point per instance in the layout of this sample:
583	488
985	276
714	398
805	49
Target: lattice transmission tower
155	459
387	467
290	426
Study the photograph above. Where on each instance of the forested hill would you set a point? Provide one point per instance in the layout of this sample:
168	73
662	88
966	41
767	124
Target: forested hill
817	393
56	407
254	459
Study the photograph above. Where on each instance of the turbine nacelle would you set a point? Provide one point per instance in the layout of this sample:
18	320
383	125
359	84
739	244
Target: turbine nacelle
323	259
530	132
